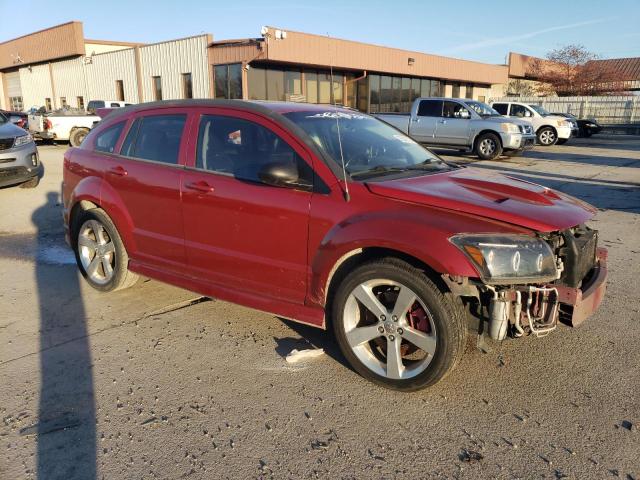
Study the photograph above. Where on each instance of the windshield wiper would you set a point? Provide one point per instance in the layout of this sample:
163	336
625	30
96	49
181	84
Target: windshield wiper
377	170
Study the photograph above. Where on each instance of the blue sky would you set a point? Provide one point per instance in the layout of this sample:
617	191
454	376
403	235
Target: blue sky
484	31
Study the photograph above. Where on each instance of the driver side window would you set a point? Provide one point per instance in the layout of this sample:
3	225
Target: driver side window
242	148
455	110
519	111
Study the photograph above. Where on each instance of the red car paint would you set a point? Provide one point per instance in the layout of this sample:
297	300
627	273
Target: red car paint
275	249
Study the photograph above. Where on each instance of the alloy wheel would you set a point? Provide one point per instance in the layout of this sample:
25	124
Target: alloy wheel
389	328
487	147
97	252
547	137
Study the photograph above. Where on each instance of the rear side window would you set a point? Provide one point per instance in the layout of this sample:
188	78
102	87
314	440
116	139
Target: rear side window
519	111
455	110
242	148
430	108
156	138
106	141
501	108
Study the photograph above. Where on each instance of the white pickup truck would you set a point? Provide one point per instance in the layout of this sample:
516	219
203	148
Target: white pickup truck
63	125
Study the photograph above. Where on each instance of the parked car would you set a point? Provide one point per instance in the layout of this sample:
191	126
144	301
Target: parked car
94	105
586	126
62	125
17	118
19	162
456	123
333	218
550	129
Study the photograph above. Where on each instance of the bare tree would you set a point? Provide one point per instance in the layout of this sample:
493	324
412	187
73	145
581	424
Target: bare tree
574	71
520	88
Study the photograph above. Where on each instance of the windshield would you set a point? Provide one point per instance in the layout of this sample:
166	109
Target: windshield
369	147
482	109
540	110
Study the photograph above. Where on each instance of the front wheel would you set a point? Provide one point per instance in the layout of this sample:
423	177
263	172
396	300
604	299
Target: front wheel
547	136
488	146
396	327
100	253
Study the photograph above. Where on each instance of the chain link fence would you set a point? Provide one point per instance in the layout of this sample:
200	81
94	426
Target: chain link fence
616	112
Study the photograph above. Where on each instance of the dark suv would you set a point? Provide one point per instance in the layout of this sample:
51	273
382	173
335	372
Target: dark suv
19	162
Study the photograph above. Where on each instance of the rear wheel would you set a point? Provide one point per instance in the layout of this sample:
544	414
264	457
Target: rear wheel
488	146
395	327
547	136
77	136
100	253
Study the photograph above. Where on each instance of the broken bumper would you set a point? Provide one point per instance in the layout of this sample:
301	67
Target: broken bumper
576	304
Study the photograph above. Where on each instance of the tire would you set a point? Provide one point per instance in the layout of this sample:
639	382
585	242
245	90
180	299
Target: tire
96	239
547	136
562	141
31	183
426	315
77	136
488	146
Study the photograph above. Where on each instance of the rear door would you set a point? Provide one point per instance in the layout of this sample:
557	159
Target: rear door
423	124
241	233
146	175
454	125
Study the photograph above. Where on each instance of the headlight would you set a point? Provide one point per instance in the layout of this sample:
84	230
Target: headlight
510	128
23	140
504	259
564	123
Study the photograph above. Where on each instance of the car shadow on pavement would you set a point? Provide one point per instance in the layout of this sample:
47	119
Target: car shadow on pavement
582	158
310	337
66	428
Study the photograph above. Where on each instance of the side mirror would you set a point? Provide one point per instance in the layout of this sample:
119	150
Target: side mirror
282	175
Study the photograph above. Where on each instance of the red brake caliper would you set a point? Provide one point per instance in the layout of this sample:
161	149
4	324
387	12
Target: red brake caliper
418	318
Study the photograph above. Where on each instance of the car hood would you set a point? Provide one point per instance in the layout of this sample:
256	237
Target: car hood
491	195
9	130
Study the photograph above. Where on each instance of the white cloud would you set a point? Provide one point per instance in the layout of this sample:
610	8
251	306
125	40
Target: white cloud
493	42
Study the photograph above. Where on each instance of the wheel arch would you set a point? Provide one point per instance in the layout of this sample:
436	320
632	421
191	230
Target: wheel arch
482	132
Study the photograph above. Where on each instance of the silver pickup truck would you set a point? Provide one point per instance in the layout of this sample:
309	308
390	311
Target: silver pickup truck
464	125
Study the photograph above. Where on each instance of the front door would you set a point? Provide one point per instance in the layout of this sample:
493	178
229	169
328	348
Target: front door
146	176
423	125
454	125
239	232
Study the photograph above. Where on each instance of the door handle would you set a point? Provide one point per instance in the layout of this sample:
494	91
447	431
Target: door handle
200	186
119	171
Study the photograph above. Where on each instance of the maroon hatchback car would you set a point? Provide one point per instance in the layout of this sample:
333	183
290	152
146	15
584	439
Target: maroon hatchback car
328	216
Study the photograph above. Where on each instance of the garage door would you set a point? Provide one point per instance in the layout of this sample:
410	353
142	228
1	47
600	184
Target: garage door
14	90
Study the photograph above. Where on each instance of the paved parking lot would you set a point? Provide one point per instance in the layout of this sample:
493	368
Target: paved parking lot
155	382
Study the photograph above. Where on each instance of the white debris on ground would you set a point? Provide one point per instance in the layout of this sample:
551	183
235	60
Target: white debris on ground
296	355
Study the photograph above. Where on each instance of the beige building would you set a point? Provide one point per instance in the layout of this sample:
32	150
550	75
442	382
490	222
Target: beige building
58	67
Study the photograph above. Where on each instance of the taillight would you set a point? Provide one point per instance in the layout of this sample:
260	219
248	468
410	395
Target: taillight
47	124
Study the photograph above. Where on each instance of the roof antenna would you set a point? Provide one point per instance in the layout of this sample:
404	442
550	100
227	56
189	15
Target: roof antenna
347	197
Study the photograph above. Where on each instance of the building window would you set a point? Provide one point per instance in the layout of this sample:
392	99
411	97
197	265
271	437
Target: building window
63	102
187	86
257	83
157	88
374	87
80	102
275	84
120	90
47	104
228	81
293	84
311	86
455	90
469	91
16	104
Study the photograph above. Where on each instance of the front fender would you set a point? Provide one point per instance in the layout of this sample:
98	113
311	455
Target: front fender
425	237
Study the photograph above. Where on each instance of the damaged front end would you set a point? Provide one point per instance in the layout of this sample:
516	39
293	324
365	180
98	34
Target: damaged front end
529	284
